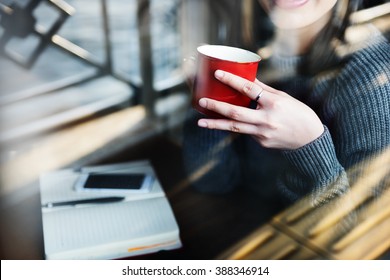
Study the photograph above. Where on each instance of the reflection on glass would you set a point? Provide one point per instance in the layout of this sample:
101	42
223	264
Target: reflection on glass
318	138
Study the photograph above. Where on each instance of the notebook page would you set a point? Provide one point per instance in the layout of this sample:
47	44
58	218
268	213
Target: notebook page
134	223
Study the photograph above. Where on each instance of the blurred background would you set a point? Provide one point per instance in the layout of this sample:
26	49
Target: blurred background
86	82
66	62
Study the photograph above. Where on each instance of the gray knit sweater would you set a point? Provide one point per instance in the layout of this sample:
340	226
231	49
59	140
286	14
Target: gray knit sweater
354	106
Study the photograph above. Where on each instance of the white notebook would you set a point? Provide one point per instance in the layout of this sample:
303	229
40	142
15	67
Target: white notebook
139	224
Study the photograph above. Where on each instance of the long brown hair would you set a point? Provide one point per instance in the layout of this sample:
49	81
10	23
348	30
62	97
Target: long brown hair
322	55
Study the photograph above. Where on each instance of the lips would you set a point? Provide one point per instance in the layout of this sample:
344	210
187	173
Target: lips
290	4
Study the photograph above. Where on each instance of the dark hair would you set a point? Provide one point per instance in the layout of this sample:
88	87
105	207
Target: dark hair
322	55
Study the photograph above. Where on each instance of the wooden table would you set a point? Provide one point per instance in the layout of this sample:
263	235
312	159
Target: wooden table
239	225
208	224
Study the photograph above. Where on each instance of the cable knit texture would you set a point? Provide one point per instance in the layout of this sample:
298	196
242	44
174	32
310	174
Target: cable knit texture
353	103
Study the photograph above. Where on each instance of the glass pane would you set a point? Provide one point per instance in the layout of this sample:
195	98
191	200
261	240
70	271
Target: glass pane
85	27
165	39
124	38
46	16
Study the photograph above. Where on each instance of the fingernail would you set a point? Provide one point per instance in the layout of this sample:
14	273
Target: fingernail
202	123
203	102
219	74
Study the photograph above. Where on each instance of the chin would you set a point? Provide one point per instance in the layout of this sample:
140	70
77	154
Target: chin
296	14
290	21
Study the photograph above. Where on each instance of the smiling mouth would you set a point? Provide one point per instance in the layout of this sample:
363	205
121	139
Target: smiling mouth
290	4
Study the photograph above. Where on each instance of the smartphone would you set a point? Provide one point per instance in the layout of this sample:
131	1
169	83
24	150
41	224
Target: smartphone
115	182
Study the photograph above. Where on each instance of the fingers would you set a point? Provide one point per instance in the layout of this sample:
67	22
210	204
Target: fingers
266	87
228	125
233	112
250	89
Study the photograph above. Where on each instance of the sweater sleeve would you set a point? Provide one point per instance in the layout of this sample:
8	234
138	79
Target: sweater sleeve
357	114
314	168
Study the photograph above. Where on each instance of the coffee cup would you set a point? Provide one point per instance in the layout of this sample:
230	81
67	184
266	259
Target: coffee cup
230	59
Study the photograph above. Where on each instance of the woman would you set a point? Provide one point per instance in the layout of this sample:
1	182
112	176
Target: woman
325	116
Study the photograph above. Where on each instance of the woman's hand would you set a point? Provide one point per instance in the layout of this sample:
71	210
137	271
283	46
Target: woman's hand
279	121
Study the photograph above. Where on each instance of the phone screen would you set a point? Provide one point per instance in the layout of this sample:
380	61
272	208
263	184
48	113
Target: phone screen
112	182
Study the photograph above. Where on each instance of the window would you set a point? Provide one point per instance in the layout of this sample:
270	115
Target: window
76	58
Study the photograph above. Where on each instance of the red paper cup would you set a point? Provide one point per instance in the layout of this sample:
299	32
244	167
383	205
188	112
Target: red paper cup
234	60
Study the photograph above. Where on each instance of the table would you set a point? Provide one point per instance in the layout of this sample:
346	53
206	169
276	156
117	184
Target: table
209	224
